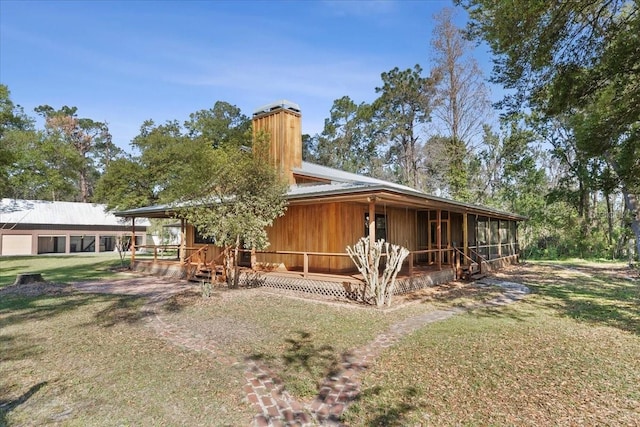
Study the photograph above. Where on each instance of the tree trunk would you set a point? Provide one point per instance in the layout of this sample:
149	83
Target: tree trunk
609	224
631	201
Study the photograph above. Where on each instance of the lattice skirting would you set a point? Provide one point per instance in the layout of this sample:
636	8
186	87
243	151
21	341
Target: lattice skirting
348	290
341	290
174	271
414	283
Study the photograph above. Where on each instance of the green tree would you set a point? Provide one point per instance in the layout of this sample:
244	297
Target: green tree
575	59
15	129
159	172
349	139
240	195
222	124
462	100
404	105
76	147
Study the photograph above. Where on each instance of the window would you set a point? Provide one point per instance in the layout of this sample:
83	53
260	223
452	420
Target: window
381	226
82	243
198	238
51	244
107	243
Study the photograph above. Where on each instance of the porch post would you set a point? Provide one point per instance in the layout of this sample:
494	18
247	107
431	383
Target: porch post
439	237
465	237
133	239
372	220
429	254
489	236
183	235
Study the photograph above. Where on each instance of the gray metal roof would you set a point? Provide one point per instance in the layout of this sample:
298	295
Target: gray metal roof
283	103
17	211
341	183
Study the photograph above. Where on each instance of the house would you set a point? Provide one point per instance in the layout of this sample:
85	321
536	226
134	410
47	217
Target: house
330	209
31	227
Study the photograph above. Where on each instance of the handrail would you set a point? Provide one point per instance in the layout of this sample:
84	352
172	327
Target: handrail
464	255
477	254
200	256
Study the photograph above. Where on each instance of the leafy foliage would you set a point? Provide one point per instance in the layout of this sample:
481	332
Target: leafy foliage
236	199
576	62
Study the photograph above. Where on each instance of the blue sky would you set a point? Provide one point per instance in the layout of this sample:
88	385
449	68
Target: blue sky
123	62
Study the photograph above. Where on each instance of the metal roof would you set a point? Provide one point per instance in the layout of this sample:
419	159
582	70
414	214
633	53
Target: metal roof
18	211
344	184
283	103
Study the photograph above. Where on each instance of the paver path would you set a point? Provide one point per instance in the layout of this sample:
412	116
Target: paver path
273	404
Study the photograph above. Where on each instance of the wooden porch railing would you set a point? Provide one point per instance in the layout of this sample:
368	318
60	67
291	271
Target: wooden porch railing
306	255
159	249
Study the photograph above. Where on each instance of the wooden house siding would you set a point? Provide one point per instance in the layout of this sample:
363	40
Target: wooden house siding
285	131
322	227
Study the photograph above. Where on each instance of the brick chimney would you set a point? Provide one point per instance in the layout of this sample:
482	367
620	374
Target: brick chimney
283	122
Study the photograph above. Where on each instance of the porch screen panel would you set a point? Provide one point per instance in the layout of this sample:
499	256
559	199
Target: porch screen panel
495	239
483	248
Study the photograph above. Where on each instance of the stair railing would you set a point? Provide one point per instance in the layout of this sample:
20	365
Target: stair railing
468	258
195	261
479	256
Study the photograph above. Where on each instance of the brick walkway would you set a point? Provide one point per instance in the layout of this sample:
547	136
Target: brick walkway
273	404
277	408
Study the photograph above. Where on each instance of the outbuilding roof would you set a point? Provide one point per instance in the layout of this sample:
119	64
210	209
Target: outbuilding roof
18	211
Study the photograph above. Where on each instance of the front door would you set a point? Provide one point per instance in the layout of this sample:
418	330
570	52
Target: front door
444	239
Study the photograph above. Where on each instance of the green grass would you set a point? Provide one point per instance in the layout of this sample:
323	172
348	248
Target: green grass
567	355
59	268
301	340
82	360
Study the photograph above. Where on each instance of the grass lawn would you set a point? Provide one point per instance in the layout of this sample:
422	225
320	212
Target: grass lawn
566	355
60	268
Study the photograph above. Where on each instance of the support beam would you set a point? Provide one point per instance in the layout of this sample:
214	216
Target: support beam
429	254
133	239
183	240
372	220
439	237
465	236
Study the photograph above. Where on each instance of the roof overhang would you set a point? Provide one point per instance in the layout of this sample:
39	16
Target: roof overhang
365	193
393	197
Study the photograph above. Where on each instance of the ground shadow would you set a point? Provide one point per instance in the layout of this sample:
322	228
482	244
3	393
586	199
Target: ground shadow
125	309
601	295
15	309
303	354
8	405
384	414
18	347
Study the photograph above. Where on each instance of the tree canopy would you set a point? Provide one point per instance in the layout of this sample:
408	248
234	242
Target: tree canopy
578	62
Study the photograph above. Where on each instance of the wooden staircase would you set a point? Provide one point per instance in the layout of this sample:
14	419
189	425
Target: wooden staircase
198	269
206	273
470	270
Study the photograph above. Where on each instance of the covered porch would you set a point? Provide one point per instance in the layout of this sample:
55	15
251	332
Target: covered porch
447	240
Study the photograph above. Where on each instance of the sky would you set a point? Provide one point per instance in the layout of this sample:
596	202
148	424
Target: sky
123	62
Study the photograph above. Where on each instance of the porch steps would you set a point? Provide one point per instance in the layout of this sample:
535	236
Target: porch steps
206	274
471	272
